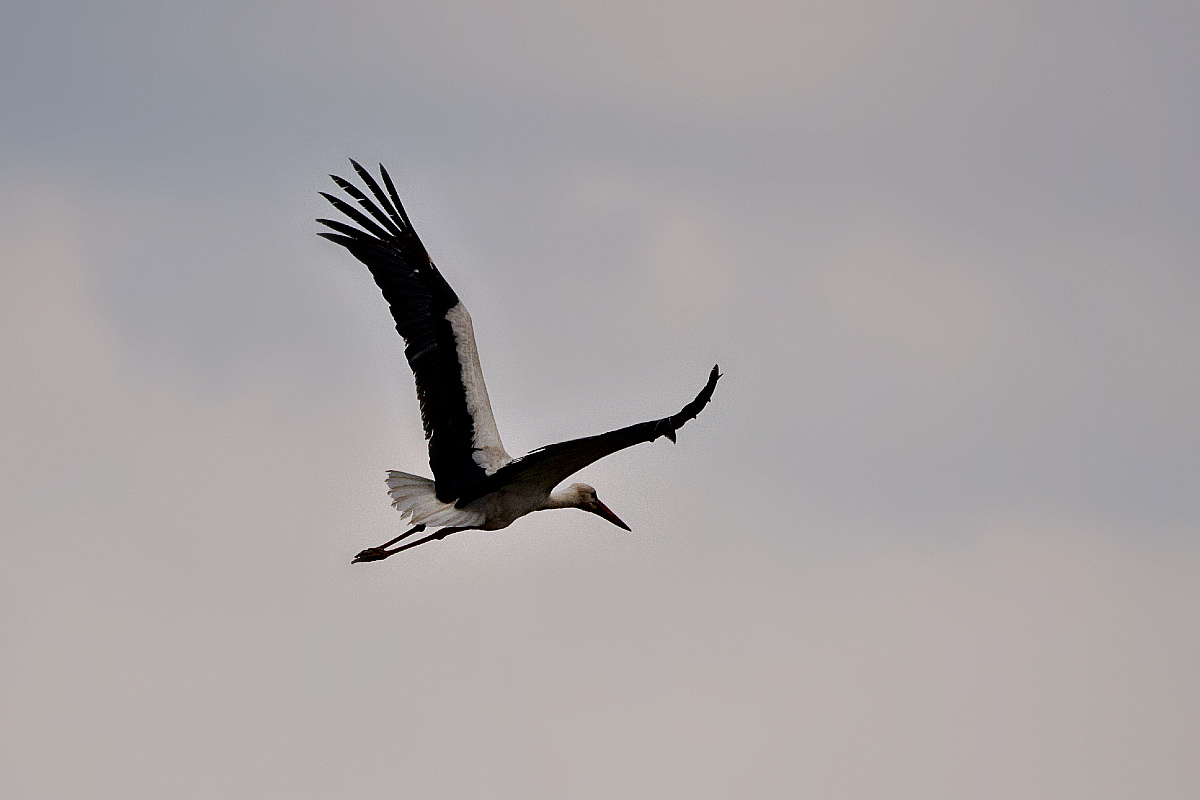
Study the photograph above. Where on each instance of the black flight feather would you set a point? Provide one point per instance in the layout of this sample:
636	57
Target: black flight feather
391	187
419	298
379	195
368	206
550	465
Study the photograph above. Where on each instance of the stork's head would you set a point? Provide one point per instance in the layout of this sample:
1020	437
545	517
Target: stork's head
585	498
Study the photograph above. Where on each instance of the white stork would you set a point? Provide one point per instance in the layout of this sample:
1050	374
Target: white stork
477	485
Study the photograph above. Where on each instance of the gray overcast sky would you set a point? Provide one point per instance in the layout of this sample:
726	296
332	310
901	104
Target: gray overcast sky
936	537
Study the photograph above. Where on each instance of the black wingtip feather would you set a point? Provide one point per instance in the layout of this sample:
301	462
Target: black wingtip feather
692	409
398	223
337	238
391	187
356	215
366	204
349	230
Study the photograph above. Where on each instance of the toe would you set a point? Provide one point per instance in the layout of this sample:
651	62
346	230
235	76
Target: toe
371	554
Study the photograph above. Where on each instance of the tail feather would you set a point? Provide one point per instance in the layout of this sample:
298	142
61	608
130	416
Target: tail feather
406	489
414	497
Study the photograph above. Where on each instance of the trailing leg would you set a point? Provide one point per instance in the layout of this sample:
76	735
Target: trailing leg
379	553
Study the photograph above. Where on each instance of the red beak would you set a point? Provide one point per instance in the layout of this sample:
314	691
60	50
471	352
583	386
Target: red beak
602	510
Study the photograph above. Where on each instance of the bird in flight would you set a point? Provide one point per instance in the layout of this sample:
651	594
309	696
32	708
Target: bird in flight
476	485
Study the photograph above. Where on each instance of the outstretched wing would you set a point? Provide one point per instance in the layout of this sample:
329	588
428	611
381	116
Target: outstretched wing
464	445
550	465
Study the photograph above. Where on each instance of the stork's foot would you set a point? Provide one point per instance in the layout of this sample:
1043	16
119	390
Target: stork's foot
372	554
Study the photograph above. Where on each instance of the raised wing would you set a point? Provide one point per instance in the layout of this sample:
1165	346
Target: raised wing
549	466
464	444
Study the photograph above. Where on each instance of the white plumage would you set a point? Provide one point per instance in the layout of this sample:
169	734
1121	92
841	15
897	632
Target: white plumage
416	500
489	450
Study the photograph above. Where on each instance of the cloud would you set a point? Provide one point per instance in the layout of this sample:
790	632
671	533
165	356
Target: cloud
721	60
181	616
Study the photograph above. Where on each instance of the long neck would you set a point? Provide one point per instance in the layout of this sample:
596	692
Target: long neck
567	498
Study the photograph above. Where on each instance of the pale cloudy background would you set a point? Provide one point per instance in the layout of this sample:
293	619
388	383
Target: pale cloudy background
936	537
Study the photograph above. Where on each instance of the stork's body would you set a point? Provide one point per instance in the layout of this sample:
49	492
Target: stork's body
477	485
